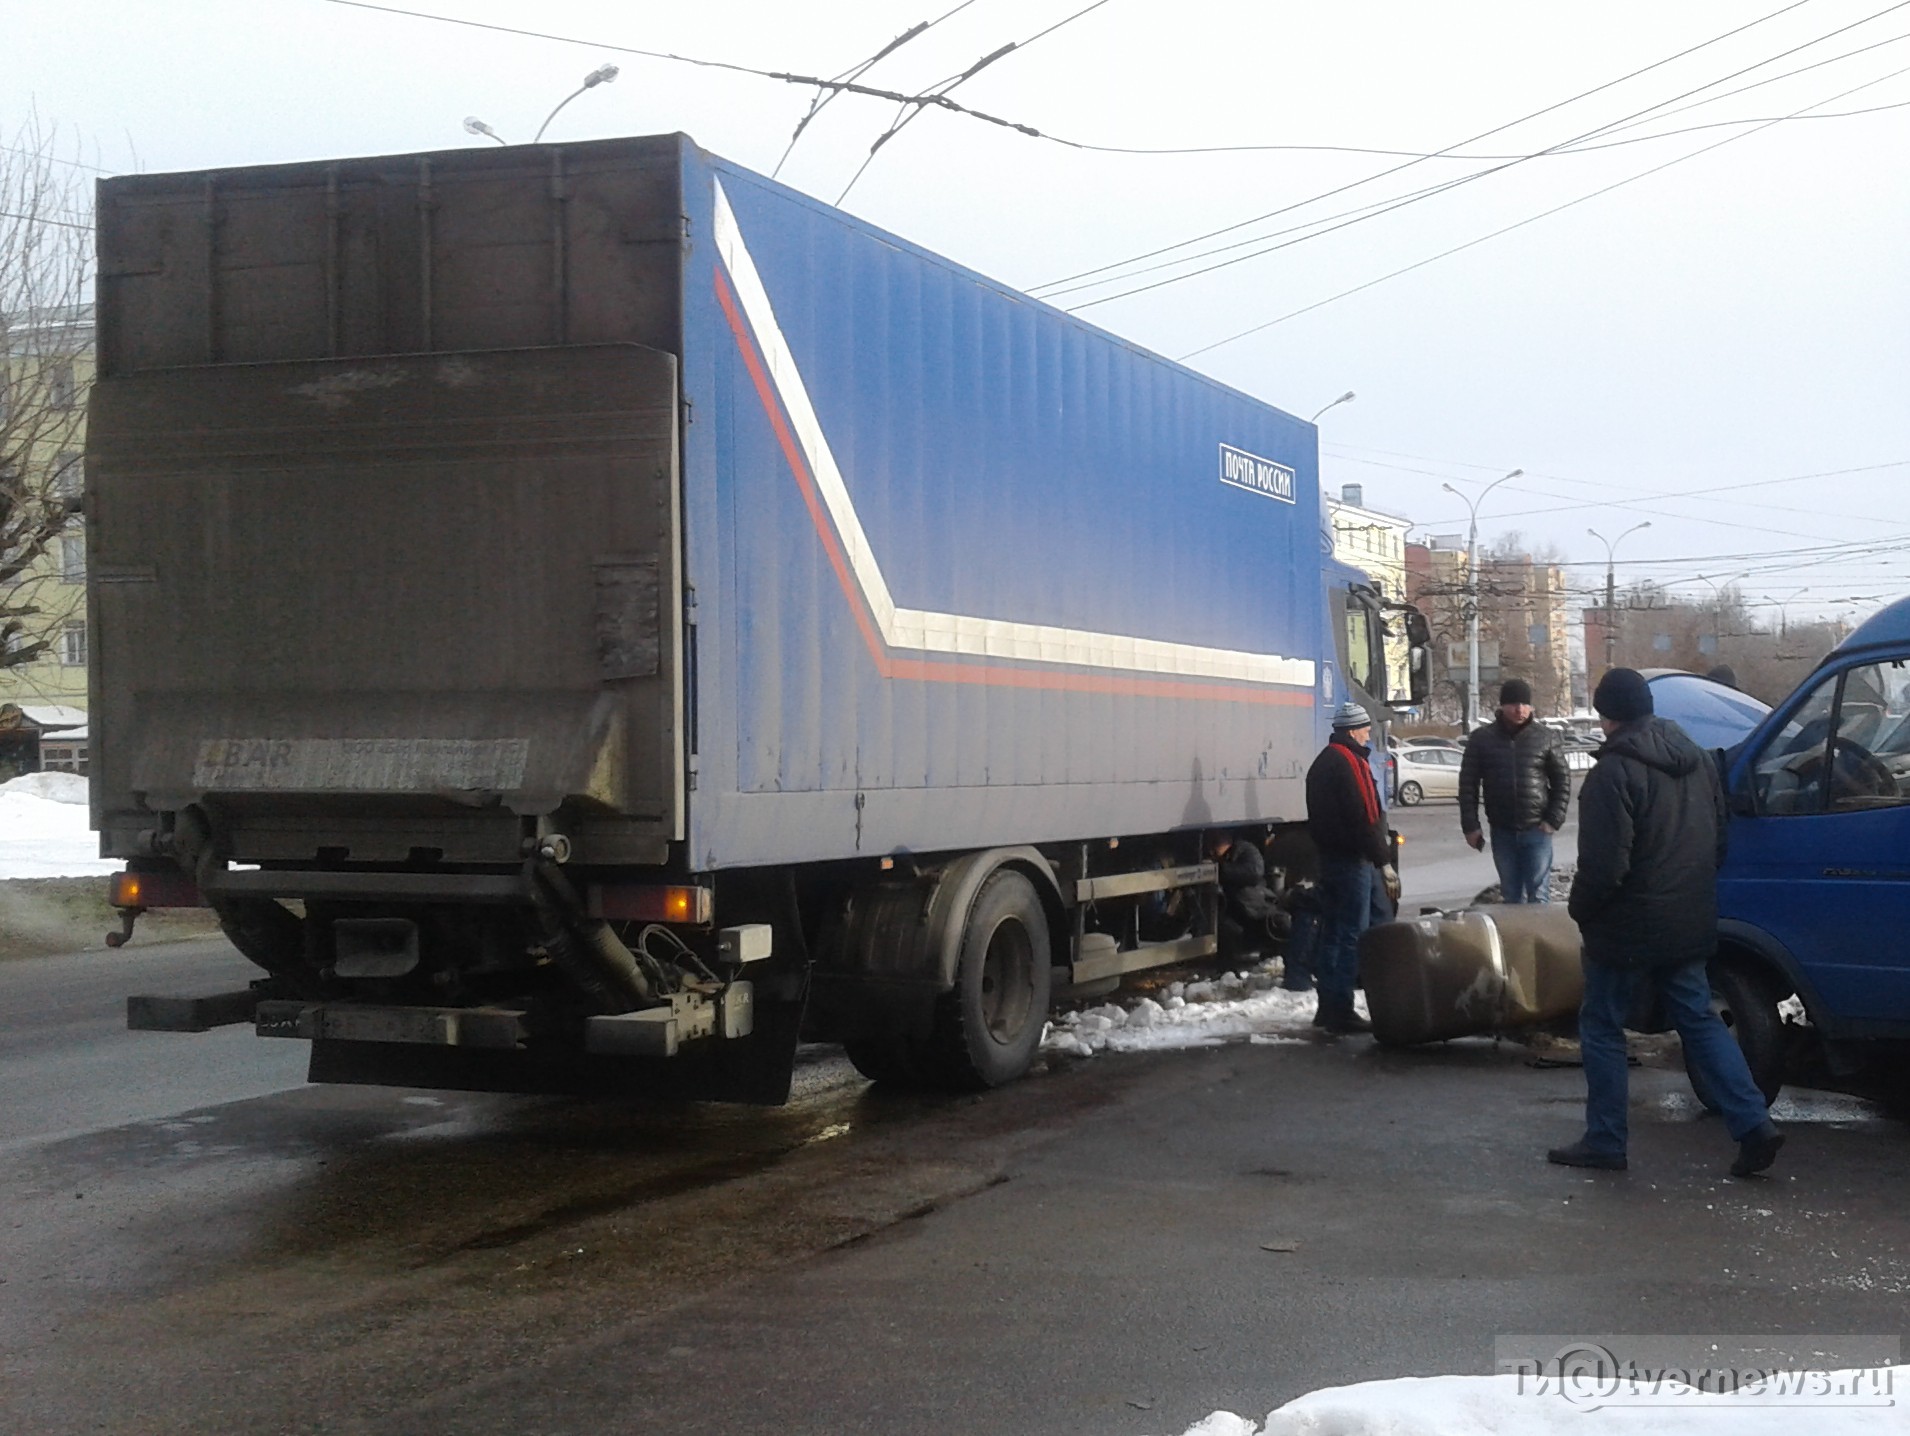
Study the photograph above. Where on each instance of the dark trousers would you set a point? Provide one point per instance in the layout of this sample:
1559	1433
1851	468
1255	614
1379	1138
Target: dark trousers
1710	1050
1346	910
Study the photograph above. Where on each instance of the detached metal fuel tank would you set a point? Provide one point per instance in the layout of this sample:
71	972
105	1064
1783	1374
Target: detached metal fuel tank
1484	969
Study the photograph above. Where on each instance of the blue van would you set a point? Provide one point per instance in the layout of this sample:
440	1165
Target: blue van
1814	898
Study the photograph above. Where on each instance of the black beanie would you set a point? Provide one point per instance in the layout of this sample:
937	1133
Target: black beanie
1515	690
1623	695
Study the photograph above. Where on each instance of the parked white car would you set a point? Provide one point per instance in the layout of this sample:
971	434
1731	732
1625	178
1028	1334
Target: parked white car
1427	773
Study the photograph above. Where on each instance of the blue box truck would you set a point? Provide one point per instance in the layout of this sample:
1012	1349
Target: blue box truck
586	617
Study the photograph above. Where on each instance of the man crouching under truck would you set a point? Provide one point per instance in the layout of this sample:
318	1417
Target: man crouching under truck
1348	824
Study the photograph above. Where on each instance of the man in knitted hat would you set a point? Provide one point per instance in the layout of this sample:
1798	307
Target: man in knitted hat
1651	836
1348	825
1521	766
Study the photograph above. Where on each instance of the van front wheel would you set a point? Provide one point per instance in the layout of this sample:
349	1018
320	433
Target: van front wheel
1747	1009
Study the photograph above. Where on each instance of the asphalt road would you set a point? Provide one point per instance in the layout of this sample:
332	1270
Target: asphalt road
196	1242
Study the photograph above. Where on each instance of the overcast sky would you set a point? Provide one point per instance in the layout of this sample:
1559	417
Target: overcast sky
1737	323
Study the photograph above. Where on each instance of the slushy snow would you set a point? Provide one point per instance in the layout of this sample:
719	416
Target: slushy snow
1497	1406
44	829
1247	1006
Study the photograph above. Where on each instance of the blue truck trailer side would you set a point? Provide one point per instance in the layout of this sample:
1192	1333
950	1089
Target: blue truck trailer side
840	641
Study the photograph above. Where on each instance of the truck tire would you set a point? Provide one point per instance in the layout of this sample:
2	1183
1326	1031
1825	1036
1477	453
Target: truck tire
1409	794
989	1024
1748	1011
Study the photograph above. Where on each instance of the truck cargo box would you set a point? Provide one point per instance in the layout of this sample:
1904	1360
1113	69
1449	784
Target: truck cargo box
615	486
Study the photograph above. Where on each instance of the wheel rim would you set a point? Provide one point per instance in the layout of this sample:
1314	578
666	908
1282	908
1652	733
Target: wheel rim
1008	981
1409	794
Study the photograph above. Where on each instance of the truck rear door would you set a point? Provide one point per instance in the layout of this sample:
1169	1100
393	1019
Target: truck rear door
366	606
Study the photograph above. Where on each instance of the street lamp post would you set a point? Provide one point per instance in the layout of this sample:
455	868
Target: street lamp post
1717	611
602	75
1784	608
1611	591
1472	594
1345	398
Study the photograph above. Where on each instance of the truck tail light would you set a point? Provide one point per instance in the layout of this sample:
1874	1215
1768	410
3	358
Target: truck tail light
632	902
158	889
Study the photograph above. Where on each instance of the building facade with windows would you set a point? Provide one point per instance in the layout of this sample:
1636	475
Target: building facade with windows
46	370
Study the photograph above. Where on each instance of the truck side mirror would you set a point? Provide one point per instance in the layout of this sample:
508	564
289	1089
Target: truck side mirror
1418	674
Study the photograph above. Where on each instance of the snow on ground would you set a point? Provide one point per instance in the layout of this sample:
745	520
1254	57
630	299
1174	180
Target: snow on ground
1823	1404
43	829
1233	1007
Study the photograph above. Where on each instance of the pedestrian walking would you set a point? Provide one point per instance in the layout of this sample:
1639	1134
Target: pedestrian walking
1651	836
1520	766
1348	824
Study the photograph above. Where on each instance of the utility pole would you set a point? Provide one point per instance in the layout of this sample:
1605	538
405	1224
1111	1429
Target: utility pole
1472	596
1611	591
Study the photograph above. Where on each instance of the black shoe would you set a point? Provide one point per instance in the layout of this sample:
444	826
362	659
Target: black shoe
1346	1024
1757	1151
1580	1155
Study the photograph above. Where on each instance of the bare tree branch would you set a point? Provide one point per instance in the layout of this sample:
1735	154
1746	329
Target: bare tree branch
46	322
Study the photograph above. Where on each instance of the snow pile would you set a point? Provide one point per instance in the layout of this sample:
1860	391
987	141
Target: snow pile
1235	1006
1842	1403
60	787
44	830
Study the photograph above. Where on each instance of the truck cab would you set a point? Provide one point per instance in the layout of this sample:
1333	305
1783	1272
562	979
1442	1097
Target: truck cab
1363	619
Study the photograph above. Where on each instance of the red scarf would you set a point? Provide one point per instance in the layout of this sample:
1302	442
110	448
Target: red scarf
1363	778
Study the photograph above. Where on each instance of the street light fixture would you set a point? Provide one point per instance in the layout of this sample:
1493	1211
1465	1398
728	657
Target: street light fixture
1717	611
602	75
1472	594
1611	591
1345	398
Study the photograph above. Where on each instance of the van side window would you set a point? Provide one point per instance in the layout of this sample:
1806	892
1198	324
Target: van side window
1870	746
1788	775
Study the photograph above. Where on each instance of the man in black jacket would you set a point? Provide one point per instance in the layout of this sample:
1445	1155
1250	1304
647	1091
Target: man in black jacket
1348	825
1521	766
1651	836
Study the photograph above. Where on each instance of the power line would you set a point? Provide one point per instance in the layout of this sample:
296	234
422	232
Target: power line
42	219
850	87
1496	169
1554	153
1324	224
856	72
55	159
1396	169
1507	229
1605	486
942	87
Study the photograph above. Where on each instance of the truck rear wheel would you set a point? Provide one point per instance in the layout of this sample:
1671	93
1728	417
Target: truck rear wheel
989	1024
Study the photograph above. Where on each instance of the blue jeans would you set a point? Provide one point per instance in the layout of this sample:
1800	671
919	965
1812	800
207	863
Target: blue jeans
1709	1049
1523	857
1346	909
1302	948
